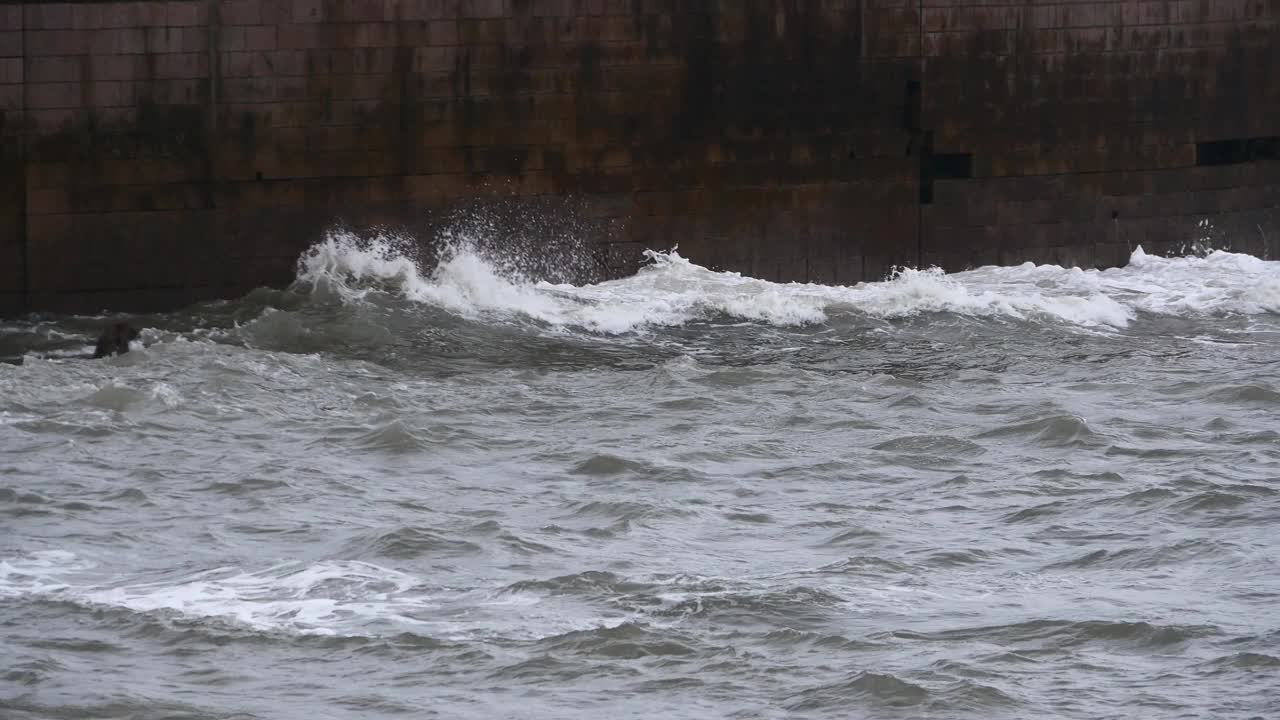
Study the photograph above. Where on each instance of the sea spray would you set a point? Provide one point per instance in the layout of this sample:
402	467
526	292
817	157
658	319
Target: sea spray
349	265
551	239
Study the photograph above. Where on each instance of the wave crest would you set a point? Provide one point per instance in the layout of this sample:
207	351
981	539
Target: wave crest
671	291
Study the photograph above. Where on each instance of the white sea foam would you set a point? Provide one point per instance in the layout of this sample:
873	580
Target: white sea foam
328	598
673	291
37	573
319	599
1217	283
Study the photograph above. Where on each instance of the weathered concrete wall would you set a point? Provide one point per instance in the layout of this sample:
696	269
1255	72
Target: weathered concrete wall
153	153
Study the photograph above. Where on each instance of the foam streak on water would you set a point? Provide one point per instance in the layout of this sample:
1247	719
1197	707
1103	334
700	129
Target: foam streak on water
459	490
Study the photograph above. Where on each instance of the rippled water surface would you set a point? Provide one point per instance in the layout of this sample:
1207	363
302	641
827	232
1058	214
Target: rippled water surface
387	492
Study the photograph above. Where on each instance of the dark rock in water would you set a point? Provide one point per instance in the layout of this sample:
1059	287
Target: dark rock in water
115	340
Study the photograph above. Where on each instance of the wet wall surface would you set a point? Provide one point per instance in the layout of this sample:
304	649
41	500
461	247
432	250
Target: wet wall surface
155	153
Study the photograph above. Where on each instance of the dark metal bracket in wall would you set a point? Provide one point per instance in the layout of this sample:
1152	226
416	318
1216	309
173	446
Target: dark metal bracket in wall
1236	151
941	166
952	166
933	166
926	168
911	115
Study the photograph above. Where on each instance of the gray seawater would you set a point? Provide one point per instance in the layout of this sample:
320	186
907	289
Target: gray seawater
386	492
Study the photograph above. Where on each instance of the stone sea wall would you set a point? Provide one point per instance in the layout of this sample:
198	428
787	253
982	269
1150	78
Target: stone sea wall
160	152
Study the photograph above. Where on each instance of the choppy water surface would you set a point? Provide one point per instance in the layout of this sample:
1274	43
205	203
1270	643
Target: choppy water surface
1011	492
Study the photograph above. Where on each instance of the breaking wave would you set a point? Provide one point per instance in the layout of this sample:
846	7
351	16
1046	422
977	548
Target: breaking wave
672	291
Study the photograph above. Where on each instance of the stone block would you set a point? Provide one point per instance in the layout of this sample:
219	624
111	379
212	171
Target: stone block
117	41
11	17
1094	14
182	91
11	97
483	8
181	65
551	8
969	18
296	36
11	43
240	12
46	16
110	94
260	37
50	42
368	11
184	14
42	96
442	32
307	11
112	67
117	15
47	201
11	71
232	39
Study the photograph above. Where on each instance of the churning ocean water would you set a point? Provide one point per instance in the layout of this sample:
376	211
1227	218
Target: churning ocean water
393	490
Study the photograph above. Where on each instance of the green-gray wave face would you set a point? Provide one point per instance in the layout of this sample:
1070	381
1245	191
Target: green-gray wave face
473	491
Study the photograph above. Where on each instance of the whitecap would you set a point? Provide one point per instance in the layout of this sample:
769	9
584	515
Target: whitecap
673	291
